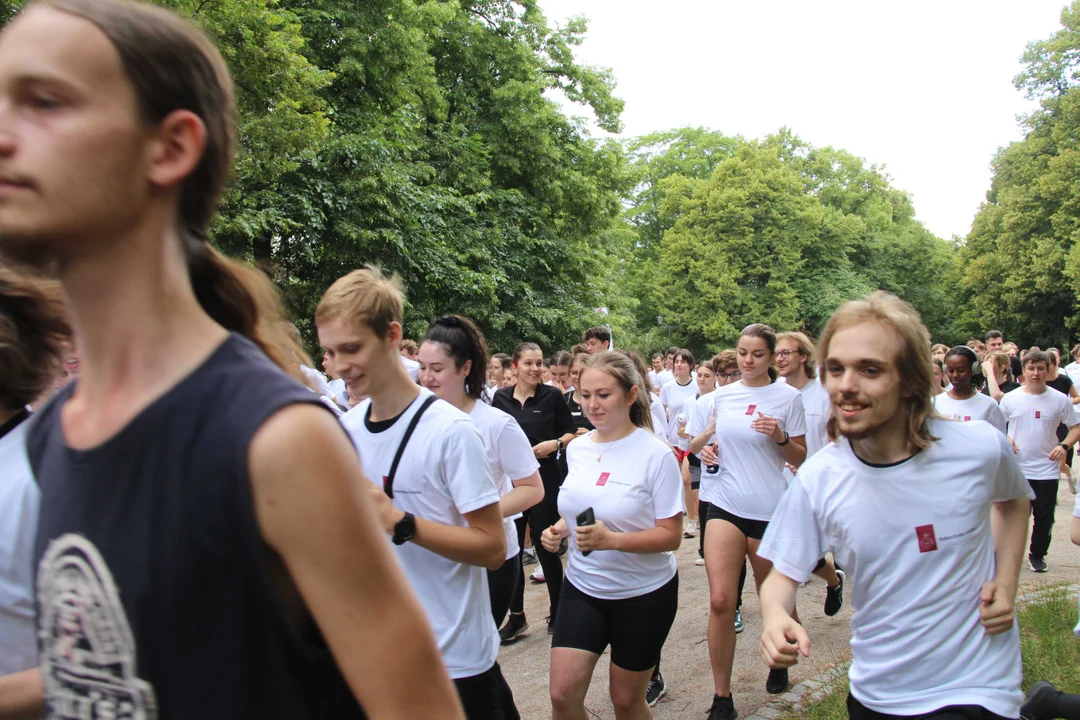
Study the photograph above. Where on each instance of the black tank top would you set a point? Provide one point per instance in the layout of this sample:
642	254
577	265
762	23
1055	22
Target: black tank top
156	592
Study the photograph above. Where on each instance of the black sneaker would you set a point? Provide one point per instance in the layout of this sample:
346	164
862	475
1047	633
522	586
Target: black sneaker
834	597
1038	700
723	708
550	624
1037	564
656	690
777	682
515	627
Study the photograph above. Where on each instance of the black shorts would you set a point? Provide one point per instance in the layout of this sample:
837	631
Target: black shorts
858	711
695	476
635	628
754	529
487	696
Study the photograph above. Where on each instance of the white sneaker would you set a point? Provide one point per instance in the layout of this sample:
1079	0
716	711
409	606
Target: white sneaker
538	575
690	529
700	562
1072	481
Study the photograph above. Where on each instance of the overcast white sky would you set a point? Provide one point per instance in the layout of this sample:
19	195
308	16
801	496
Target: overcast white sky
922	87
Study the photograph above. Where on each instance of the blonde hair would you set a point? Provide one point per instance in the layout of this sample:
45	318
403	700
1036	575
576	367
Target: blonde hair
625	372
642	369
913	363
1000	361
806	349
367	296
723	359
939	346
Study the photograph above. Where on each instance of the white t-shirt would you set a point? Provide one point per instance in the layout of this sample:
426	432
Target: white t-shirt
20	500
816	407
508	454
916	537
977	407
751	463
412	367
701	415
1073	371
341	393
659	418
1033	422
635	484
676	399
443	475
317	382
662	378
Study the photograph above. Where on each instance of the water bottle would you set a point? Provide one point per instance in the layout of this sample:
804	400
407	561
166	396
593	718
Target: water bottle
713	469
680	422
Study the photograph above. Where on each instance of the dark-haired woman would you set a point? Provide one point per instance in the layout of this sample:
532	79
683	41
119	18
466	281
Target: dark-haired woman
573	396
185	563
621	589
938	366
542	413
453	357
759	427
962	401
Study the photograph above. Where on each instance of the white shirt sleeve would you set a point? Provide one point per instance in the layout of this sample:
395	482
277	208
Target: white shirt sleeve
465	468
795	422
1009	481
997	418
515	453
665	394
667	488
1068	413
793	540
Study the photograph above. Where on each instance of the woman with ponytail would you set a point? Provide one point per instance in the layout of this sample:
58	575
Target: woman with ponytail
759	427
621	506
201	504
453	362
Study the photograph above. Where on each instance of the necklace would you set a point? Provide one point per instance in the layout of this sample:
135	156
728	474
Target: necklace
609	446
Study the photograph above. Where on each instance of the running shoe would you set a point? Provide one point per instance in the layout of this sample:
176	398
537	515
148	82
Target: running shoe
656	690
777	682
1036	564
690	529
738	621
1037	706
528	556
538	575
515	627
834	596
700	562
1072	482
550	624
723	708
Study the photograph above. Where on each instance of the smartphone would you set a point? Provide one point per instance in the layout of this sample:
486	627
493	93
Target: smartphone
586	517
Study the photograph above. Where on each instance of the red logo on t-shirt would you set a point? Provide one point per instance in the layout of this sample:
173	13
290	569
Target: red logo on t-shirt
927	539
967	418
385	479
1038	414
603	479
750	410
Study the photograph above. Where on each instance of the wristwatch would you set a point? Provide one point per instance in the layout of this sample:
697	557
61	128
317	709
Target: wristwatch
404	529
562	445
1063	446
787	439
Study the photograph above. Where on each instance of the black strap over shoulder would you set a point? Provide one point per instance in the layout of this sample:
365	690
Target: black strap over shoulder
389	486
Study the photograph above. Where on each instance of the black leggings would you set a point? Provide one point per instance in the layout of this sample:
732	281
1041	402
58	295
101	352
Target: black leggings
487	696
501	586
1042	507
858	711
539	518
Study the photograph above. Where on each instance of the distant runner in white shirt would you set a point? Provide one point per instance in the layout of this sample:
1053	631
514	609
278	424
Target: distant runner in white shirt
432	488
657	378
621	506
453	361
796	359
33	333
1034	412
759	427
904	500
961	401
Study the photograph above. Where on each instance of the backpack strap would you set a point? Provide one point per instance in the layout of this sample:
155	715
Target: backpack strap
388	488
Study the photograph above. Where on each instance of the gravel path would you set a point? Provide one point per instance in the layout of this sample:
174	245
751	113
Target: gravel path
685	662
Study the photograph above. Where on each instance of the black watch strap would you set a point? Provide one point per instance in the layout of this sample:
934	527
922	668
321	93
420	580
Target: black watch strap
404	529
787	439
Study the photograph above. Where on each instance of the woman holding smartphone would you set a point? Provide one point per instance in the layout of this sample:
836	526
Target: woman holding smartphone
621	506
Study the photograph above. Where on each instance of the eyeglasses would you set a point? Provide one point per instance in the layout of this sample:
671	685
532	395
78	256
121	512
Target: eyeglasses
731	375
786	353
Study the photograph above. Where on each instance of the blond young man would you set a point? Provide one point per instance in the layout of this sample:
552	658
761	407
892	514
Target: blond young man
930	516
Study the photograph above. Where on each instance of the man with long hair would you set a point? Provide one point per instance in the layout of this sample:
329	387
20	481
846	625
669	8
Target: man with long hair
929	514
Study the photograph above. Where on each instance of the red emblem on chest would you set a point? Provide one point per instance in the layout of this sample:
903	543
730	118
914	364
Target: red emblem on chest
385	479
750	410
927	539
967	418
1038	414
603	479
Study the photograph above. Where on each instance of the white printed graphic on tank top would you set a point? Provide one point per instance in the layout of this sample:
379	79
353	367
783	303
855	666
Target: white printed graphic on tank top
88	649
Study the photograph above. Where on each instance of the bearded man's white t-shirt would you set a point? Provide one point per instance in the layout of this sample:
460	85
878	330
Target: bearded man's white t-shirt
635	482
916	538
977	407
443	475
509	455
1033	422
751	463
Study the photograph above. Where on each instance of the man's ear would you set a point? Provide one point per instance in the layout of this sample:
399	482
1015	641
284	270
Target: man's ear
176	148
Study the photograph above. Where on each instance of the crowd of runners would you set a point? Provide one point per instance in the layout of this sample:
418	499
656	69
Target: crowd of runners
197	523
